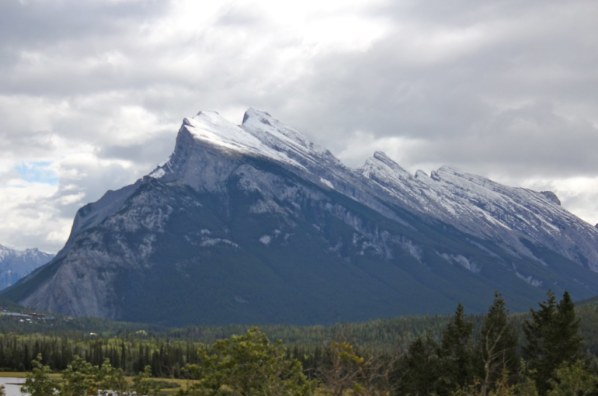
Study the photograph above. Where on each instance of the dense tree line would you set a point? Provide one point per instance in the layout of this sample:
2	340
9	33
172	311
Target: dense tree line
374	336
487	357
166	358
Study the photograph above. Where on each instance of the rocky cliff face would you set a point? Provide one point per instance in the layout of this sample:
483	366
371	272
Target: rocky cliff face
256	224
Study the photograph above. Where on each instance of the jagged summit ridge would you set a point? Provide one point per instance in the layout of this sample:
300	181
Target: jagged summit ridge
478	205
259	134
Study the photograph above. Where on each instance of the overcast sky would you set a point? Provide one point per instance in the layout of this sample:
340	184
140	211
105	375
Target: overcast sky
92	92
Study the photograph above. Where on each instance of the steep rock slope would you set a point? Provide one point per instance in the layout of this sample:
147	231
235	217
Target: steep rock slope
255	223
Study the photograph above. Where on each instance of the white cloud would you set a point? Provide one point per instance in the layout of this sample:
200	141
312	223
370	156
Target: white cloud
28	214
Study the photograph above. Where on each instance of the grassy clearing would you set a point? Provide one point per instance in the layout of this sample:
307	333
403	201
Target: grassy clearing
13	374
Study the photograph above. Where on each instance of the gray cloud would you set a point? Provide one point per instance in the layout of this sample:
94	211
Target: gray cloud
505	87
98	88
144	153
43	23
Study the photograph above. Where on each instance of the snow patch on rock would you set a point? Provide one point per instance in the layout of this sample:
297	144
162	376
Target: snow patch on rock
207	242
462	261
327	183
529	279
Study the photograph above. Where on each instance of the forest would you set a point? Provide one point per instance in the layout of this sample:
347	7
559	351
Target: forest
545	352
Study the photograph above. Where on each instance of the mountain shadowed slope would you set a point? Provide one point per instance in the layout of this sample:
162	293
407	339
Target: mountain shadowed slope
256	224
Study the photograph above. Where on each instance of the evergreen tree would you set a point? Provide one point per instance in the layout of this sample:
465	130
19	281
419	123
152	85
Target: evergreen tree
552	336
417	371
497	346
539	342
456	354
569	346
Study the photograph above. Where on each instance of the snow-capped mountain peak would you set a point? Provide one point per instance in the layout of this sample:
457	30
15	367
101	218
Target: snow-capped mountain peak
211	128
260	135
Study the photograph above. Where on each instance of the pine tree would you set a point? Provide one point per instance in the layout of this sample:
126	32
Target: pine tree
456	354
552	336
417	371
567	333
497	346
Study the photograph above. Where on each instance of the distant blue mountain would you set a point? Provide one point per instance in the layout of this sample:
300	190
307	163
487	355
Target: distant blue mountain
15	264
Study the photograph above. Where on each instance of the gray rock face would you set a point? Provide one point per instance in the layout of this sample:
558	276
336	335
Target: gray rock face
551	197
256	224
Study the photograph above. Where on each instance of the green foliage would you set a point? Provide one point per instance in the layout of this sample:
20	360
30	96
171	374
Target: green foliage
526	387
344	371
573	380
249	364
143	384
38	381
110	378
79	379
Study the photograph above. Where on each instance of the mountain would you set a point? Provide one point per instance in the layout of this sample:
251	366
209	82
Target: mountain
15	264
254	223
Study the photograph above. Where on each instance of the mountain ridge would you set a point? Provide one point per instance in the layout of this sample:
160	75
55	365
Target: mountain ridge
254	223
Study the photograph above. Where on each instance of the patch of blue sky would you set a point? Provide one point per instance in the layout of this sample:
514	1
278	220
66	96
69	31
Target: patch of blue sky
37	172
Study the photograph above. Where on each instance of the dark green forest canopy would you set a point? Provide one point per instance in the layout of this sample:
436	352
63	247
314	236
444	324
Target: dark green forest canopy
375	335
